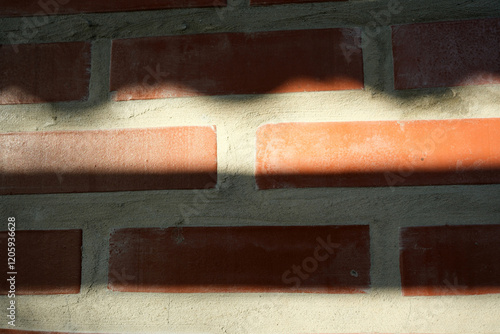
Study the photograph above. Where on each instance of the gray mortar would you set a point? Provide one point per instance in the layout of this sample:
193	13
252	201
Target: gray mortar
243	18
236	201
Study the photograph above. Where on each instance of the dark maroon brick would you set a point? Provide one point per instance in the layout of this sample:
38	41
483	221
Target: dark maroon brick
319	259
236	63
36	73
446	54
46	262
450	260
53	7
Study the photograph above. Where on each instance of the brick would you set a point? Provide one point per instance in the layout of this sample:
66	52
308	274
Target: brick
372	154
236	63
36	73
450	260
446	54
46	262
108	160
279	2
52	7
241	259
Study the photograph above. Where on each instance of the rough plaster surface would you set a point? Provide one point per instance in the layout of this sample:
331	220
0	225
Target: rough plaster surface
235	201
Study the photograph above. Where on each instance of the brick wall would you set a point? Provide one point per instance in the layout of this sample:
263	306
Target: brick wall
195	166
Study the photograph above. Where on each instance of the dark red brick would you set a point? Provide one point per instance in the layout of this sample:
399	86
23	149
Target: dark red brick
241	259
46	262
446	54
280	2
108	160
52	7
236	63
450	260
36	73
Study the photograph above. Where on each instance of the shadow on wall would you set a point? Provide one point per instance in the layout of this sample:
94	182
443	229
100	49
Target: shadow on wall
259	259
60	182
218	65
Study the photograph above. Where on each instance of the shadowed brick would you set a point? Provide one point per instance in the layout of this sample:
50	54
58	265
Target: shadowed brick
53	7
320	259
446	54
46	262
450	260
236	63
36	73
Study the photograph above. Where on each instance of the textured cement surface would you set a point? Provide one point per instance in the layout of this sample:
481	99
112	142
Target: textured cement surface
236	201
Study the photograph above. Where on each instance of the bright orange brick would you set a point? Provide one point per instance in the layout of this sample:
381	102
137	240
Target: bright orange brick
389	153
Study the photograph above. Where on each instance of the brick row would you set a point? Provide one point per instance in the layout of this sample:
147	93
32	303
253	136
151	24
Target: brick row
340	154
434	260
448	54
